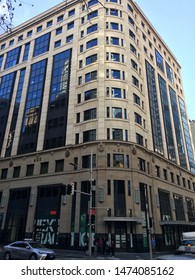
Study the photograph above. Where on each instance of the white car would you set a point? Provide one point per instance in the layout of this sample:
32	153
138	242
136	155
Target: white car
27	250
188	246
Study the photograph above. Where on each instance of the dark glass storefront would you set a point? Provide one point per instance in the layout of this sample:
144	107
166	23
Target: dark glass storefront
47	215
15	223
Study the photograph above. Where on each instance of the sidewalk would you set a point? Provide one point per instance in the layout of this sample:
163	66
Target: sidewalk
73	254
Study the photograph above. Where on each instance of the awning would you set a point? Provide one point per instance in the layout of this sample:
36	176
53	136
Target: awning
122	219
177	223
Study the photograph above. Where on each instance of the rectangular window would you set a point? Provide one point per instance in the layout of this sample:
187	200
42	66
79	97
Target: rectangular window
29	169
91	76
90	94
187	135
179	207
69	38
117	112
26	51
117	134
81	48
119	202
131	34
135	81
184	182
90	114
70	25
136	99
92	2
169	73
92	43
154	109
49	23
41	44
78	117
167	119
114	12
57	44
92	15
11	42
16	172
92	28
29	33
60	18
44	167
86	161
32	112
129	188
115	74
108	160
71	12
59	165
129	8
114	41
157	170
159	61
165	174
58	30
91	59
77	138
20	38
89	135
4	172
138	118
178	180
139	139
178	128
3	47
114	26
131	21
6	91
133	49
172	177
39	28
108	187
134	64
115	57
1	61
118	160
142	164
12	57
116	93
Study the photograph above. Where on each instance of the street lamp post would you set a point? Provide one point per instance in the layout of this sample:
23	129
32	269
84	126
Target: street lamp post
148	222
90	203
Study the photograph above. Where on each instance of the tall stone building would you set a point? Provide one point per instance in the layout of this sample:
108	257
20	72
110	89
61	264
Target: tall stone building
90	94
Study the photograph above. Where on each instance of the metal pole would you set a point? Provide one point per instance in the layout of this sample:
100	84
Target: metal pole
90	203
148	222
149	232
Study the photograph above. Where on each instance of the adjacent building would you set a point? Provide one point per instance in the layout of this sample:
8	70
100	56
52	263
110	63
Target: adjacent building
90	94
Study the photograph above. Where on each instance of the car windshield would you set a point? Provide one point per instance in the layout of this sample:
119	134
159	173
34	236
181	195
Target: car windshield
36	245
188	242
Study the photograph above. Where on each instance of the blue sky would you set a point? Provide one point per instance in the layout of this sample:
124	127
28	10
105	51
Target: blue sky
175	22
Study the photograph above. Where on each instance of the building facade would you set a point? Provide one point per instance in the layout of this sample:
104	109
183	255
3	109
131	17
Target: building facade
192	127
90	94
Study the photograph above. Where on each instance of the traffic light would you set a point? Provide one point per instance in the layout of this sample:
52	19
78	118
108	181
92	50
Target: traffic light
92	219
70	189
150	222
